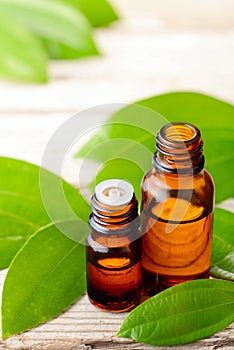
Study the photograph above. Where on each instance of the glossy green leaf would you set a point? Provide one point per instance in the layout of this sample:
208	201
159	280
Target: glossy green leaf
22	210
212	116
219	159
201	110
45	277
215	119
223	245
182	314
54	21
22	56
99	12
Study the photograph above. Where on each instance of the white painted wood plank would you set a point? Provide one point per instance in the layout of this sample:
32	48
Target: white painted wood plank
26	136
205	11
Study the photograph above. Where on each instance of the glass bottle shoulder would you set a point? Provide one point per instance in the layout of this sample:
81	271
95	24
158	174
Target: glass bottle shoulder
199	188
155	179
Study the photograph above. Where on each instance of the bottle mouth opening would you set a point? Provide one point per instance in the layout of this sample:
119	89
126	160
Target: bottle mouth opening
179	148
179	133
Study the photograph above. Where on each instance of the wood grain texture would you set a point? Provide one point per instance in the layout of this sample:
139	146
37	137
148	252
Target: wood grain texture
159	46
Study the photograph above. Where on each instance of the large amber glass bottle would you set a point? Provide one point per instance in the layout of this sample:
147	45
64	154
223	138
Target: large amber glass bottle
114	275
177	210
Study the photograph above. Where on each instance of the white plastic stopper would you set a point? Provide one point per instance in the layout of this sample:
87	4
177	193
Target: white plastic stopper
114	192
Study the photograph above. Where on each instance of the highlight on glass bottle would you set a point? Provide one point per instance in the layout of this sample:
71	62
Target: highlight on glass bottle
177	203
114	275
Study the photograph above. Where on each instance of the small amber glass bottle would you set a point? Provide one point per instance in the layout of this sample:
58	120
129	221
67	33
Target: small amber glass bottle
177	203
114	275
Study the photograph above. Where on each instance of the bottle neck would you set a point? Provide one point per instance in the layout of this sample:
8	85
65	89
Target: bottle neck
106	218
179	149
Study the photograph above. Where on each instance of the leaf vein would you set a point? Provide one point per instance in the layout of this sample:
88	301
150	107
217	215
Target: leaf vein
183	313
17	194
19	218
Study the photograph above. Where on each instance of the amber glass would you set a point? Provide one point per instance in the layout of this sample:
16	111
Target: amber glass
177	204
114	275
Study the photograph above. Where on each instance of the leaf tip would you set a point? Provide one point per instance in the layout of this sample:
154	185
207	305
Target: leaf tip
122	334
96	51
5	334
115	16
118	334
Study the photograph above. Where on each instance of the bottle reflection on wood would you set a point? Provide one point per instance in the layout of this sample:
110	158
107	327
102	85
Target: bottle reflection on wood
177	203
114	275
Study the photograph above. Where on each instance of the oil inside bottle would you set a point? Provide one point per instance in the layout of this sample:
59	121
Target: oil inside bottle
175	251
115	276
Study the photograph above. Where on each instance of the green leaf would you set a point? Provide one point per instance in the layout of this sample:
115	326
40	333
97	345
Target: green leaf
215	119
182	314
127	140
59	51
47	274
202	110
22	210
219	160
99	12
22	56
223	245
45	277
56	22
212	116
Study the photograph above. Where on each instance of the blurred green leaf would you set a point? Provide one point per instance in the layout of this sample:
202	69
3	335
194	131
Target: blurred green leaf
22	56
222	265
45	277
59	51
56	22
99	12
22	209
